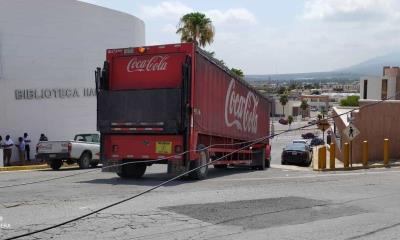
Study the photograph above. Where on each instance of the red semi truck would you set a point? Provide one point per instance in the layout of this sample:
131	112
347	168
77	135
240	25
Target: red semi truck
176	102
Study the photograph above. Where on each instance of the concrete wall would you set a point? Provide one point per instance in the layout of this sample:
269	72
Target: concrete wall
48	45
288	107
375	122
374	88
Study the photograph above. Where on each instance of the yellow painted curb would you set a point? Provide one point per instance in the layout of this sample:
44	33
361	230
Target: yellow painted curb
358	167
28	167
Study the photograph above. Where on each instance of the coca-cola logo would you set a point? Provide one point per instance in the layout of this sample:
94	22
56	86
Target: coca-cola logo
155	63
241	111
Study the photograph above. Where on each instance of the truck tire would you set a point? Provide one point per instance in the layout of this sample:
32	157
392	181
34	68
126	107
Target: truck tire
258	159
55	164
200	173
221	166
268	162
84	161
94	164
134	170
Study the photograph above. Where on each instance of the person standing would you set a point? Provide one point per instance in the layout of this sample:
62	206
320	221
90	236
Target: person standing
1	148
21	150
8	144
27	142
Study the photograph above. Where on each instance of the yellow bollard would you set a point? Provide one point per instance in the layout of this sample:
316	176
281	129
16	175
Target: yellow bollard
365	153
346	151
332	156
322	158
386	152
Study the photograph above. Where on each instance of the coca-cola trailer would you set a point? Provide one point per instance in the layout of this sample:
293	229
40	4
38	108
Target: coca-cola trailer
156	102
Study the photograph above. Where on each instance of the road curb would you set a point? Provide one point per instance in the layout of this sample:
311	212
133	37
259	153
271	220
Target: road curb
357	167
20	168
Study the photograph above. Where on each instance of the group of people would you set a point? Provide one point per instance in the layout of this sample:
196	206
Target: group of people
23	146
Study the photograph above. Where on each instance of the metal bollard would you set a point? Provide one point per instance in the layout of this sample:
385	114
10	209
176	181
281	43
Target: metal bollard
322	158
346	155
365	153
386	152
332	156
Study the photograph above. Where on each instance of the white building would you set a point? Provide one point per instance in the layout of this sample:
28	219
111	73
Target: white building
49	50
381	87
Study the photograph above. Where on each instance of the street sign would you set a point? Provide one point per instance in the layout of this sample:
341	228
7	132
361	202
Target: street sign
323	124
351	131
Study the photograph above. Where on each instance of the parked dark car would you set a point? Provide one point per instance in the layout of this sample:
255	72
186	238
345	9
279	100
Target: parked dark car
297	154
308	135
283	121
317	141
314	121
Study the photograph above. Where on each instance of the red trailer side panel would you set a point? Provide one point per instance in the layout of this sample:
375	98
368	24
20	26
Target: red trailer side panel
224	106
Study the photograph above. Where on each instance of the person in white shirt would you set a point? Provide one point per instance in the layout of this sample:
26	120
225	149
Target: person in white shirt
1	147
27	142
8	144
21	150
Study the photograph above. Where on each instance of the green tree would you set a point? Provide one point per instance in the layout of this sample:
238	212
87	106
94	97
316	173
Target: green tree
290	120
212	55
304	106
350	101
237	72
283	99
281	90
196	27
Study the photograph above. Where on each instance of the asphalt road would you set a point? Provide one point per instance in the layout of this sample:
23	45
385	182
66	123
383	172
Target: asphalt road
279	203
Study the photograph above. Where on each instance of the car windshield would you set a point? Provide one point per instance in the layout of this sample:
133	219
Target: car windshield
296	147
87	138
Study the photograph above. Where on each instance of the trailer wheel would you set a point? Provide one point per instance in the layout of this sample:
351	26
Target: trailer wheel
56	164
221	166
258	159
84	161
134	170
268	162
204	158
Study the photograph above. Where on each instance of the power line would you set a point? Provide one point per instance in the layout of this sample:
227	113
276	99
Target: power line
179	176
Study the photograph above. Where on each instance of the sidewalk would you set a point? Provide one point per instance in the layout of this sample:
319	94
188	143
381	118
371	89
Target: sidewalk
27	165
355	166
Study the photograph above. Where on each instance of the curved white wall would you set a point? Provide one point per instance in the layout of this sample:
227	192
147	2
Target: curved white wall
54	46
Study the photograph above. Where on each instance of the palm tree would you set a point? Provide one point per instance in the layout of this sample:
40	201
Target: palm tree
196	27
238	72
304	106
283	100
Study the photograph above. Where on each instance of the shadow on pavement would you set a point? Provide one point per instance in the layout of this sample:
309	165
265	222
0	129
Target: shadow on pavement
154	179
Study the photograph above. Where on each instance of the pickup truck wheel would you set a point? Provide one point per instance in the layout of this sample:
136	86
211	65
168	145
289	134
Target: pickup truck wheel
203	159
134	170
94	164
56	164
84	161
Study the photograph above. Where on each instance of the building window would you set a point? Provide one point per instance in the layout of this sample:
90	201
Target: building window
384	89
365	89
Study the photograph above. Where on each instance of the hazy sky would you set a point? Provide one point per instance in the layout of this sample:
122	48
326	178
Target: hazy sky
279	36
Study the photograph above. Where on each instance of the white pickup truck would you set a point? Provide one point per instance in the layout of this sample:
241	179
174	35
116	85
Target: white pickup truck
84	150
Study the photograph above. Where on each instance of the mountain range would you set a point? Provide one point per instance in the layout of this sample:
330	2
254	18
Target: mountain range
369	67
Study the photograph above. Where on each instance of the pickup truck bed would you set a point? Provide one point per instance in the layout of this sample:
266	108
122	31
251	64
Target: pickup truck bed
84	150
